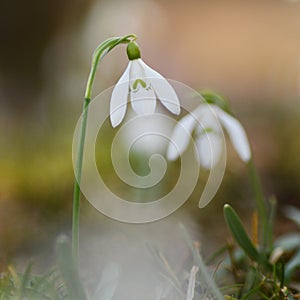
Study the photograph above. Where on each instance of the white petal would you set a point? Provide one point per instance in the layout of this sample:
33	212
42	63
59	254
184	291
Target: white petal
137	75
207	119
143	101
236	134
181	136
163	89
118	102
209	149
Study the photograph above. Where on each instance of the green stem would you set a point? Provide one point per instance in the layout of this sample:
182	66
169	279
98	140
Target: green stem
261	206
98	55
78	172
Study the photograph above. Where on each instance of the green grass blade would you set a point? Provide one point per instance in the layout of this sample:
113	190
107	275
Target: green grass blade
291	266
202	268
108	282
239	233
68	269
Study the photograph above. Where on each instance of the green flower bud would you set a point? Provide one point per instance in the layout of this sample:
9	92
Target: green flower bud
133	51
215	98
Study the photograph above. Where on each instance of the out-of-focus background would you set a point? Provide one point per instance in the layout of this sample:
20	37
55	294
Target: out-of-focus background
248	51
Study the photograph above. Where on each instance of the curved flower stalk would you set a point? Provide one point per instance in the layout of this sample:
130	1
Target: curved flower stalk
143	86
206	122
103	49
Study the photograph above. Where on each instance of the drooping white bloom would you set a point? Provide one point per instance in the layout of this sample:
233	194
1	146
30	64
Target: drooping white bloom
143	86
206	123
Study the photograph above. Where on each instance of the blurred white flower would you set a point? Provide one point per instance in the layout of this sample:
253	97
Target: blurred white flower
205	122
143	86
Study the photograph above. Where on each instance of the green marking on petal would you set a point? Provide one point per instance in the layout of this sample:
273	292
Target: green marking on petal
137	82
207	130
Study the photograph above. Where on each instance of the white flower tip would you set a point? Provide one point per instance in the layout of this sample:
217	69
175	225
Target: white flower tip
175	108
115	118
163	89
245	152
117	111
241	145
180	138
172	152
237	135
171	103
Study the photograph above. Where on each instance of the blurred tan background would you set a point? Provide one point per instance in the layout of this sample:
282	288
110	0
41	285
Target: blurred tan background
247	50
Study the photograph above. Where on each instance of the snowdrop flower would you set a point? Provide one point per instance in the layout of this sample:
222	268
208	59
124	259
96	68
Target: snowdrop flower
206	123
143	86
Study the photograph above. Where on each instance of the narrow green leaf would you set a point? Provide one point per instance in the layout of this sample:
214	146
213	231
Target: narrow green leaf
216	254
291	266
253	291
279	272
239	233
25	280
108	282
68	269
202	267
